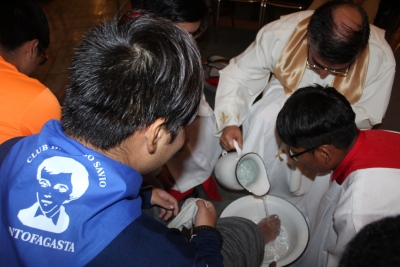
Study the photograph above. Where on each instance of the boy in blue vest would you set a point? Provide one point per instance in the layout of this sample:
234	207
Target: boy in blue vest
71	195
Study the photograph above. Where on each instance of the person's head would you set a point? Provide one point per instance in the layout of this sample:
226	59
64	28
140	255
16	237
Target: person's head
24	34
338	32
61	180
377	244
129	78
191	15
320	121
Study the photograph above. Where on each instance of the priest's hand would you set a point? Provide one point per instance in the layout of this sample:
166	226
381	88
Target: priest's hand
229	134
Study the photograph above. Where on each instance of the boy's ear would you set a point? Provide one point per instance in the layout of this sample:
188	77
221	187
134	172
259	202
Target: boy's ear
153	135
325	153
31	48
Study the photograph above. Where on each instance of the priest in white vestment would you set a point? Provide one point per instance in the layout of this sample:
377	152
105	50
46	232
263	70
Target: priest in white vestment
335	45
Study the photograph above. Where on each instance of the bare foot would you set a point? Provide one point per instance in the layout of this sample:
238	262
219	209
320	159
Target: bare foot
270	228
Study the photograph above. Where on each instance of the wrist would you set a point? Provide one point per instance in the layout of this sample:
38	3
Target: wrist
198	229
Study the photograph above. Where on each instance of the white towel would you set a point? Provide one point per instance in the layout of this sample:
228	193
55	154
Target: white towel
185	217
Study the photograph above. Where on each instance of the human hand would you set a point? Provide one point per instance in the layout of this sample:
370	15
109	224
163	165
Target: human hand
168	204
206	214
229	134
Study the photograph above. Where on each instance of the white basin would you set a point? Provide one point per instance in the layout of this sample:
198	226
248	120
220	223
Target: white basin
294	236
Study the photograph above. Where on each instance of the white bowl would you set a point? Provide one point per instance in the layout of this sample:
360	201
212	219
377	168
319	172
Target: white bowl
294	235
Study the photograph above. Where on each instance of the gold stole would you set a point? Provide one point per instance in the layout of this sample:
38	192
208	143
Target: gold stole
292	63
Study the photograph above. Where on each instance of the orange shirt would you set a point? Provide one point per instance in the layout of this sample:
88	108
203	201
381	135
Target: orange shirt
25	103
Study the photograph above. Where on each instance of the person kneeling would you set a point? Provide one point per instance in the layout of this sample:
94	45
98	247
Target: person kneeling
318	125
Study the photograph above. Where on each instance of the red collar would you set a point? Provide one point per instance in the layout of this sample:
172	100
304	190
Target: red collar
339	173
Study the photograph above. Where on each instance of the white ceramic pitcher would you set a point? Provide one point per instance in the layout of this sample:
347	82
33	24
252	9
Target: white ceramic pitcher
236	171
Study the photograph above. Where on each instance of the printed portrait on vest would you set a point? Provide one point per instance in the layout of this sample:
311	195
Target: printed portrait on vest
60	180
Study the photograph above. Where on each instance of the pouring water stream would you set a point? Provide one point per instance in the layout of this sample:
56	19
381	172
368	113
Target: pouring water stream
264	198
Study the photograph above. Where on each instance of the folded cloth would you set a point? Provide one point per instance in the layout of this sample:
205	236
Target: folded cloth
185	217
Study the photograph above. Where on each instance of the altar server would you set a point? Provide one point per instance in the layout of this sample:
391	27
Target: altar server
318	125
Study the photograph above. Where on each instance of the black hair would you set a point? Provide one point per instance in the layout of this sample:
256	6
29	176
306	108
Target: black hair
314	116
337	44
22	21
377	244
178	10
125	76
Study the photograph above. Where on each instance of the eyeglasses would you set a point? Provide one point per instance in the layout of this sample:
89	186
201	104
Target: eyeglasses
199	31
44	57
295	156
335	72
342	72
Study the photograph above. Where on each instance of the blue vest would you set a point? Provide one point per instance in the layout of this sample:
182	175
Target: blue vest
61	202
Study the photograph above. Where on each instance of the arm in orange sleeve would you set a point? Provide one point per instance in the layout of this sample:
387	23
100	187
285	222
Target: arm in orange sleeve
43	108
